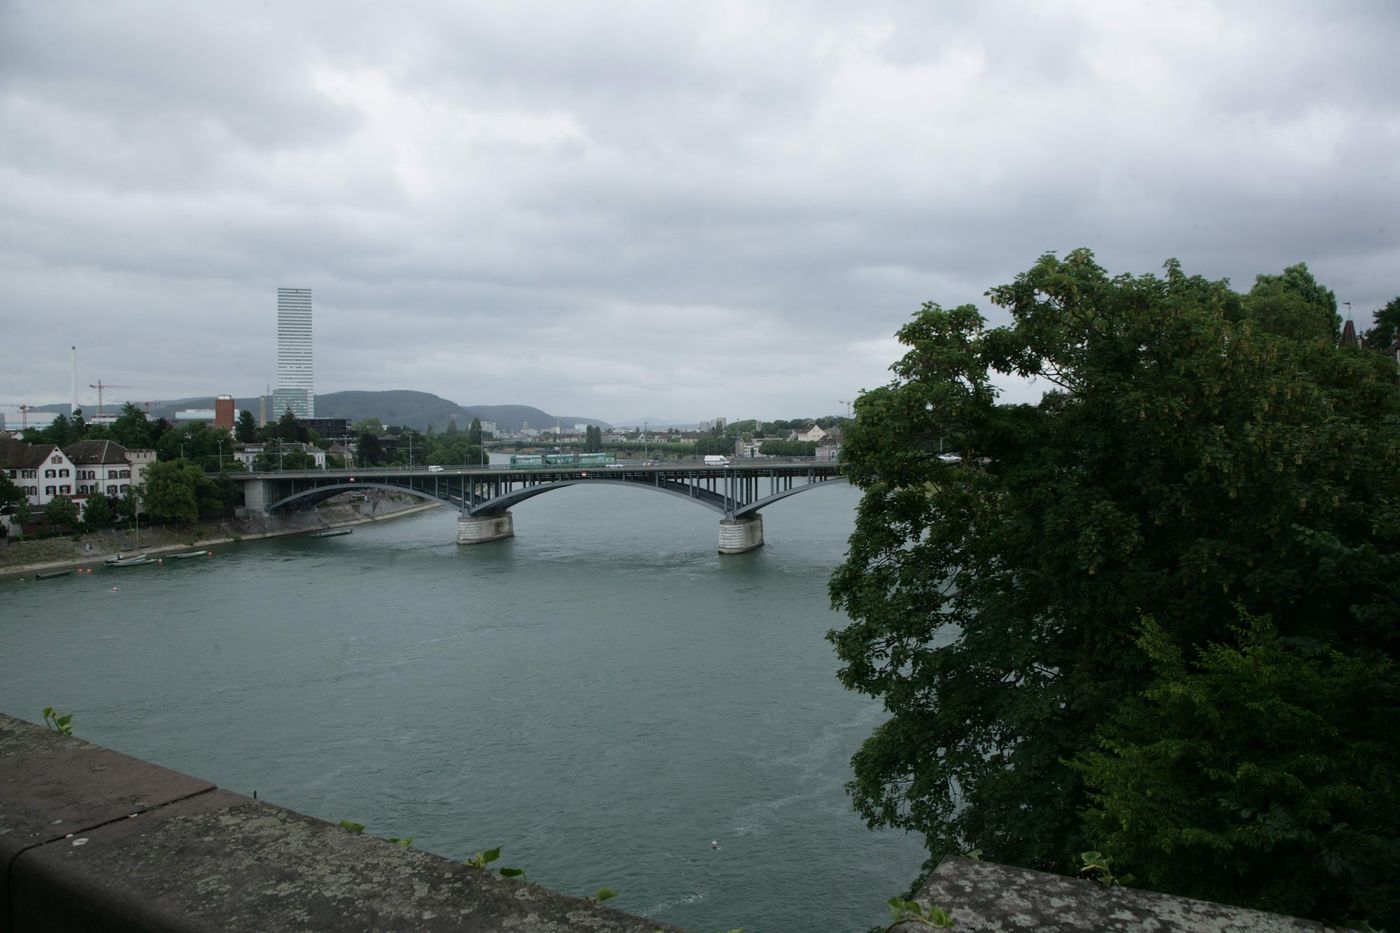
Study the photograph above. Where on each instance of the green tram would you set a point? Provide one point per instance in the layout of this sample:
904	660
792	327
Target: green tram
541	461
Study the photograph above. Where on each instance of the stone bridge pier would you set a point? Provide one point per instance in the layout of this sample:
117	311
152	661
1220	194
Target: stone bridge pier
737	535
487	526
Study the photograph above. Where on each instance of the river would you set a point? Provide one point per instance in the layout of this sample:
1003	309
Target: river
602	696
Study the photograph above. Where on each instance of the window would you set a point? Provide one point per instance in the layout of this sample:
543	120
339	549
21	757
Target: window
50	474
65	490
63	472
111	490
31	490
31	474
48	490
55	459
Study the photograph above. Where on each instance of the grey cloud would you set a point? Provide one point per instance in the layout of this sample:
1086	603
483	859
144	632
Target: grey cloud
719	208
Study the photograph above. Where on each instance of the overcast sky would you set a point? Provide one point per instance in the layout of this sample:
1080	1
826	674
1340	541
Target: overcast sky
664	210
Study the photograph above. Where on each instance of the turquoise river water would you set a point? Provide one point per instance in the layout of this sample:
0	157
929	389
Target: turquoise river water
602	696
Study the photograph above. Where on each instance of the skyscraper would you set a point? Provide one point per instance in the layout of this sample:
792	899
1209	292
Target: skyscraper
296	380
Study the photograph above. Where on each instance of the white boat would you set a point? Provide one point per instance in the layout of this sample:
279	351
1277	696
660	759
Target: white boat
120	561
332	533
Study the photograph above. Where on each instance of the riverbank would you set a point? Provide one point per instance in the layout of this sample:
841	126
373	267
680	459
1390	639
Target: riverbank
93	548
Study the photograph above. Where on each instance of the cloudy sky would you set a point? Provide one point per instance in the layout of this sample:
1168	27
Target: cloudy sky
667	210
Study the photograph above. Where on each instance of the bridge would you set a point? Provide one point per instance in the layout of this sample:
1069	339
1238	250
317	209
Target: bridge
484	494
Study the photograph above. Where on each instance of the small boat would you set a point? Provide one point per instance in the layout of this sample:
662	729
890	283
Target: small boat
332	532
50	574
129	561
189	555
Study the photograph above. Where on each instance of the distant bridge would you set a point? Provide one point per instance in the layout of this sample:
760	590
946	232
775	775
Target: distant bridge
484	494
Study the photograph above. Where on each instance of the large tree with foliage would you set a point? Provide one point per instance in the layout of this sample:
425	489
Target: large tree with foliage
133	429
245	430
1386	326
169	491
10	492
207	445
1201	454
97	512
61	512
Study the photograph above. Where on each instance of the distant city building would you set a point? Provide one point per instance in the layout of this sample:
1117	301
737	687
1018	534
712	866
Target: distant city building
296	378
720	423
186	415
488	427
223	412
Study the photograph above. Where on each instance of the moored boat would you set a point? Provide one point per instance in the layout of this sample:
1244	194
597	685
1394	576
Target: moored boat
50	574
332	532
190	555
129	561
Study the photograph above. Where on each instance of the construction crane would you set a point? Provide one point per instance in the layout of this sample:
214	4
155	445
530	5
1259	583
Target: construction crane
24	409
99	387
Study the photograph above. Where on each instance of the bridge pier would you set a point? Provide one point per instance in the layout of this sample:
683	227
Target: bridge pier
737	535
475	529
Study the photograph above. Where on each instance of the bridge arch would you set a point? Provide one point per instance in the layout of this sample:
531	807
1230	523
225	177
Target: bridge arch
319	494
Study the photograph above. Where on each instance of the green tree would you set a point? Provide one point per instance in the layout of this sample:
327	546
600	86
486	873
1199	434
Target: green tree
368	426
169	491
298	460
133	429
97	512
1262	773
199	443
246	430
713	445
1191	459
592	438
788	448
271	458
288	429
369	451
1387	323
10	492
61	512
474	433
1294	305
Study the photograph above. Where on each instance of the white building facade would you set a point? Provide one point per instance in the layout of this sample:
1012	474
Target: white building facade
296	377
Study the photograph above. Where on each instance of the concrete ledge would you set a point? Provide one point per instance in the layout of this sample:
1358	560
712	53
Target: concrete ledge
984	896
91	839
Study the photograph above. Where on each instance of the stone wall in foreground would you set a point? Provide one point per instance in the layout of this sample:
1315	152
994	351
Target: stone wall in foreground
91	839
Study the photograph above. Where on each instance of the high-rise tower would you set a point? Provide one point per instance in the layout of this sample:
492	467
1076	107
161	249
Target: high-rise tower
296	382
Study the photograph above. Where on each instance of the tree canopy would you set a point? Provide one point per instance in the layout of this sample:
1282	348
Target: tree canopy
1387	324
1201	454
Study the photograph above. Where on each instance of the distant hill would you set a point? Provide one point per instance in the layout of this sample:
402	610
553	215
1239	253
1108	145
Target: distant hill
397	406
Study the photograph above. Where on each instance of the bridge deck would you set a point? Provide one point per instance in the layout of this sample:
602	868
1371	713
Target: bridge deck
735	490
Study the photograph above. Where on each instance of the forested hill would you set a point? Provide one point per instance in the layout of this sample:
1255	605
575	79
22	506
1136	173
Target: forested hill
397	406
420	409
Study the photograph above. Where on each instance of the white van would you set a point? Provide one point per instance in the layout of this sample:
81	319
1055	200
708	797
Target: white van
435	468
716	460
